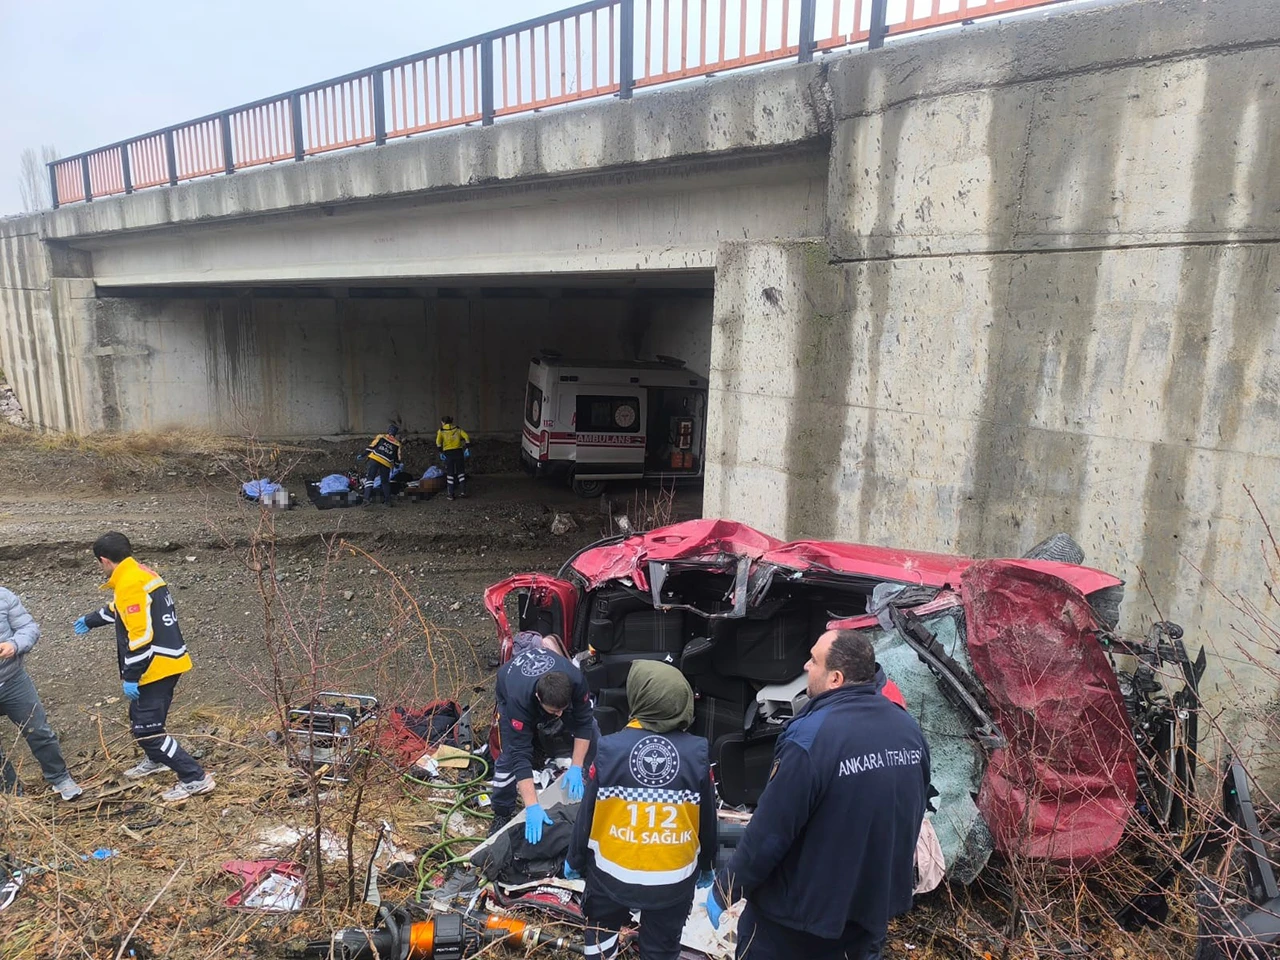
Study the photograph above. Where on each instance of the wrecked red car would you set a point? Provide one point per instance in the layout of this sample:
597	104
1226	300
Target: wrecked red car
1004	663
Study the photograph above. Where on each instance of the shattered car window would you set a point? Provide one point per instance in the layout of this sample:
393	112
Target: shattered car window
958	761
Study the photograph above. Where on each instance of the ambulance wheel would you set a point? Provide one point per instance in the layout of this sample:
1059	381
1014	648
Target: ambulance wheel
588	489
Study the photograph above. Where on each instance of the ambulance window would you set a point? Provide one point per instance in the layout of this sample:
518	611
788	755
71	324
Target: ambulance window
608	414
533	406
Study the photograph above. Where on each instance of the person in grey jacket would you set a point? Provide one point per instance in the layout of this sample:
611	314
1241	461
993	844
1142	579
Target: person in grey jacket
21	704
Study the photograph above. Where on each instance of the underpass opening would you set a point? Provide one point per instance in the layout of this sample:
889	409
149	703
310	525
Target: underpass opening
307	361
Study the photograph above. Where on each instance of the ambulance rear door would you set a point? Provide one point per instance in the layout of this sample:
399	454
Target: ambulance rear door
609	422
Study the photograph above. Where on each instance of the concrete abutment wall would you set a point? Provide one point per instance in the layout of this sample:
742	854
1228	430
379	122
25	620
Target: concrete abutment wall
1049	299
306	366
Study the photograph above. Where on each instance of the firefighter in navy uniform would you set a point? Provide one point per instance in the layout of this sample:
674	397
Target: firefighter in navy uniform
152	657
383	453
544	709
646	833
829	855
455	448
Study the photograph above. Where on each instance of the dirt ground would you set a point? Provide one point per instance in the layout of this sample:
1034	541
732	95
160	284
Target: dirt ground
418	569
396	595
185	518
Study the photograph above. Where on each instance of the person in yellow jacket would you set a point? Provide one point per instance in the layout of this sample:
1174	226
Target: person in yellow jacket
152	656
383	454
455	447
646	833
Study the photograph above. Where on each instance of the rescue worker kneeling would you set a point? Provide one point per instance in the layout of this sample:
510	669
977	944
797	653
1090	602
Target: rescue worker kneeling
647	828
542	701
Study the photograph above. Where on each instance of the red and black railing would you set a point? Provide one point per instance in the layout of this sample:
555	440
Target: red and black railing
599	48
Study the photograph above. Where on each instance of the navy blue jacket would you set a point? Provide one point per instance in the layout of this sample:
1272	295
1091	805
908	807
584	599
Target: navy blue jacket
521	717
833	839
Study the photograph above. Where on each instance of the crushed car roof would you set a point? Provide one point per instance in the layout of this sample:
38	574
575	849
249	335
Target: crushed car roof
711	540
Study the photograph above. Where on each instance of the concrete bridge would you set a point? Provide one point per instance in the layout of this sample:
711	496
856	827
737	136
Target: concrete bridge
958	293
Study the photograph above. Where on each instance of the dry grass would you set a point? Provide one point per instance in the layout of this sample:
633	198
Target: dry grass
172	442
173	854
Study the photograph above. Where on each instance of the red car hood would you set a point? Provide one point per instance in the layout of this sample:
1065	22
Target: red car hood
710	540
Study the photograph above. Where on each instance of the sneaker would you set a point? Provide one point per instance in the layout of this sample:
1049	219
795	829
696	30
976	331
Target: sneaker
145	769
450	496
68	789
183	790
9	890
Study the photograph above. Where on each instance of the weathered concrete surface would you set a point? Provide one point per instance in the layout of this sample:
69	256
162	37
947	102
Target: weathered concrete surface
745	113
1131	124
1049	300
651	219
40	351
315	366
653	184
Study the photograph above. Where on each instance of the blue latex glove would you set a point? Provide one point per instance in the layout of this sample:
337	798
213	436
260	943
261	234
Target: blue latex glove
706	878
130	690
570	873
573	783
714	910
443	458
466	452
535	818
81	626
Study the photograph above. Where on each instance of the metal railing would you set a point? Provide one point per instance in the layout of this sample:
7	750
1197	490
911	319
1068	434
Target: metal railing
599	48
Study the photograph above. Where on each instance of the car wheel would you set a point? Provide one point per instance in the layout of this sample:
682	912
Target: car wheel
1060	547
588	489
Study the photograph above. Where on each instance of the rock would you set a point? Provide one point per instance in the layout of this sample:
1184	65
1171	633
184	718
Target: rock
191	559
456	606
348	595
563	523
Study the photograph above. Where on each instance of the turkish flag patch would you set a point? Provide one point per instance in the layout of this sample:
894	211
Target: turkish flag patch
517	725
134	608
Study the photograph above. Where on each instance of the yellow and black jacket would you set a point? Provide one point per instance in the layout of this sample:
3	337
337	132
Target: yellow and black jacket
149	645
449	439
384	449
648	820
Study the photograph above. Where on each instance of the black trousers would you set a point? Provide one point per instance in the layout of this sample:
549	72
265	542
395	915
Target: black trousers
760	938
660	929
455	471
505	794
377	470
147	715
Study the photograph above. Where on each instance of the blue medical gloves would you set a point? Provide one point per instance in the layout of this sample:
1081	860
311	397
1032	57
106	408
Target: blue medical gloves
535	818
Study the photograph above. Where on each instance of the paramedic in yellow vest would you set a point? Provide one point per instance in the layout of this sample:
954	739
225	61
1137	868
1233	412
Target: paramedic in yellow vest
151	655
383	453
646	832
455	447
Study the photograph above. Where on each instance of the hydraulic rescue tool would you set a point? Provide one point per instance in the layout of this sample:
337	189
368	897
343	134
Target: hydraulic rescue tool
438	936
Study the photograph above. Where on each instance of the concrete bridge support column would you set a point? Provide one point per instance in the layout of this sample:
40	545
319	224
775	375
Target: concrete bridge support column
44	296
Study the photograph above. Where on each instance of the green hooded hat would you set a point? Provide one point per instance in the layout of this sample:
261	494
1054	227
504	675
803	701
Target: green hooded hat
660	698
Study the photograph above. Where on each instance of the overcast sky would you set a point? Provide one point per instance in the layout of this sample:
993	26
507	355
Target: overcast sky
78	74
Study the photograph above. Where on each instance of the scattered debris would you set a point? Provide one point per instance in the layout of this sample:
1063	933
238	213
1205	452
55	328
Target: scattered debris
272	886
11	411
563	523
284	839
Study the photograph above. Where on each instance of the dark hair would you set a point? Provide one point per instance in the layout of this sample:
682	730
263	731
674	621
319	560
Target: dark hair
853	654
393	430
447	418
554	690
114	546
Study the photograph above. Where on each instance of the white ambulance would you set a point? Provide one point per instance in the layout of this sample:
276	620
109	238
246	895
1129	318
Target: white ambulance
596	421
